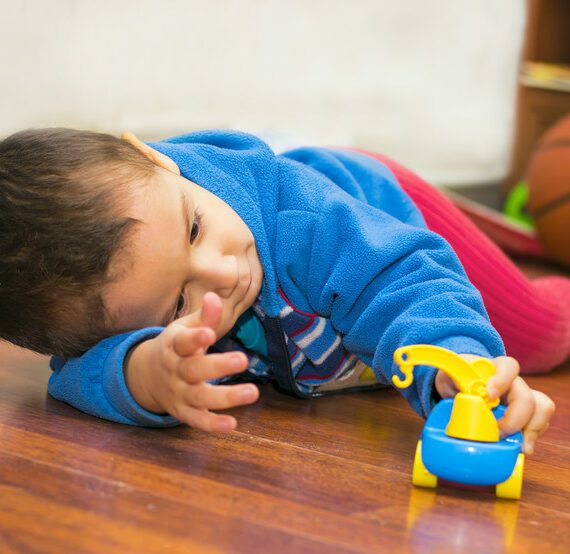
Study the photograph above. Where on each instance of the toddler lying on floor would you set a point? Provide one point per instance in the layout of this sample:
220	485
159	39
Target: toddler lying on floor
154	274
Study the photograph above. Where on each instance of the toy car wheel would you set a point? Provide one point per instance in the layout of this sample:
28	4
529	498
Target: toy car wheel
421	477
512	487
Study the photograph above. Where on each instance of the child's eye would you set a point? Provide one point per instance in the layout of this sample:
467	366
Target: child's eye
196	227
180	306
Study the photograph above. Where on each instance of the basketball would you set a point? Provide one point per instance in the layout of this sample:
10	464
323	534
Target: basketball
548	177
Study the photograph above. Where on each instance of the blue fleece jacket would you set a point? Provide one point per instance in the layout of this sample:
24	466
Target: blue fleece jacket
337	234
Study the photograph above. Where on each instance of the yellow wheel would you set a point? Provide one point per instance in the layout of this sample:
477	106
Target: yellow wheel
421	477
512	487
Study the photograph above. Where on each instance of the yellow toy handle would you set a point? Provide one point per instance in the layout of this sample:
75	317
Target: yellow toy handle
470	377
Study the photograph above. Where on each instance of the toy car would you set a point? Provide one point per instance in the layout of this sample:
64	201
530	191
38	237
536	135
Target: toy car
460	441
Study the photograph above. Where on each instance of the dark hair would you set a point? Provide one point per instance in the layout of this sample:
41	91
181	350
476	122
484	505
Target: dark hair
63	195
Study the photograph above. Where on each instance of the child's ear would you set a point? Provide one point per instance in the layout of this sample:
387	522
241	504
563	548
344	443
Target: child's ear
153	155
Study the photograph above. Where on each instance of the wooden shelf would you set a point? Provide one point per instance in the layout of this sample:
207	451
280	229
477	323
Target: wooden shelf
547	40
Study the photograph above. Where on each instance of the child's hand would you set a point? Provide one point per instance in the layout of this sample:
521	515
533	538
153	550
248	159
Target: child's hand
170	373
527	409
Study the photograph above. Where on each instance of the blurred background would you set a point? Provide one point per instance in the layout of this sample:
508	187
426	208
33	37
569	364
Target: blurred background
432	83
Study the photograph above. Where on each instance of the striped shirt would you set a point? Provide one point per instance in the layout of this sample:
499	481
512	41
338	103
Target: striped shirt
315	348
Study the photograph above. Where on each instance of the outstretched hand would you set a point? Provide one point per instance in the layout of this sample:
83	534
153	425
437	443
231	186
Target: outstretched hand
170	372
527	409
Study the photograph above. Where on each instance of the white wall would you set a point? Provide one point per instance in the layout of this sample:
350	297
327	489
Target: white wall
429	82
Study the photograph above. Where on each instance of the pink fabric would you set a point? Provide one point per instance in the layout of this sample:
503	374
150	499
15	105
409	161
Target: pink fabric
532	316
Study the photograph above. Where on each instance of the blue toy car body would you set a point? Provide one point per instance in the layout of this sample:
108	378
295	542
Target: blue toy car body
466	461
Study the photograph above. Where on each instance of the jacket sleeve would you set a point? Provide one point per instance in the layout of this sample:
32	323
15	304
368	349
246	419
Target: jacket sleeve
384	284
94	382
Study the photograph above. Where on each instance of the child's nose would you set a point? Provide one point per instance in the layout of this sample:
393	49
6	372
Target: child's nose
218	274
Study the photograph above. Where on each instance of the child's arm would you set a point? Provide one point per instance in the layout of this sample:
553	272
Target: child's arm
383	282
384	285
527	409
163	373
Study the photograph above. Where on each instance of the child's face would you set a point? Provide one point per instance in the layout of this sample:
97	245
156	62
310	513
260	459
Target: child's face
189	242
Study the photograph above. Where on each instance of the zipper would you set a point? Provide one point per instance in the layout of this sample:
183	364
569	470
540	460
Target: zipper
279	356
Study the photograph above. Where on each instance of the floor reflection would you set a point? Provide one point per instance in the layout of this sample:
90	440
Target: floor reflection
433	519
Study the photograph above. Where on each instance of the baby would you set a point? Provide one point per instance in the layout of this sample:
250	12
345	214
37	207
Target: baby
156	273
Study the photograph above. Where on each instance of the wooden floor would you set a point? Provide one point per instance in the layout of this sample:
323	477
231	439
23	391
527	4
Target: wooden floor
330	475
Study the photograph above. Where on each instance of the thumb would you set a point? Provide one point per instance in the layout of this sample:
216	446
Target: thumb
444	385
211	311
209	315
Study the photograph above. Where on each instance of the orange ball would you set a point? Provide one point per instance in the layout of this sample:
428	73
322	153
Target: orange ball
548	177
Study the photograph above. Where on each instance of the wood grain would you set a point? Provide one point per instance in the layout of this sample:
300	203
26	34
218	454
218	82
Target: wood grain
327	475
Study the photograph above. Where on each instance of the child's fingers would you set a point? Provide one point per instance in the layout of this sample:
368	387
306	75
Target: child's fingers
540	420
206	421
220	397
187	342
520	408
507	370
201	369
